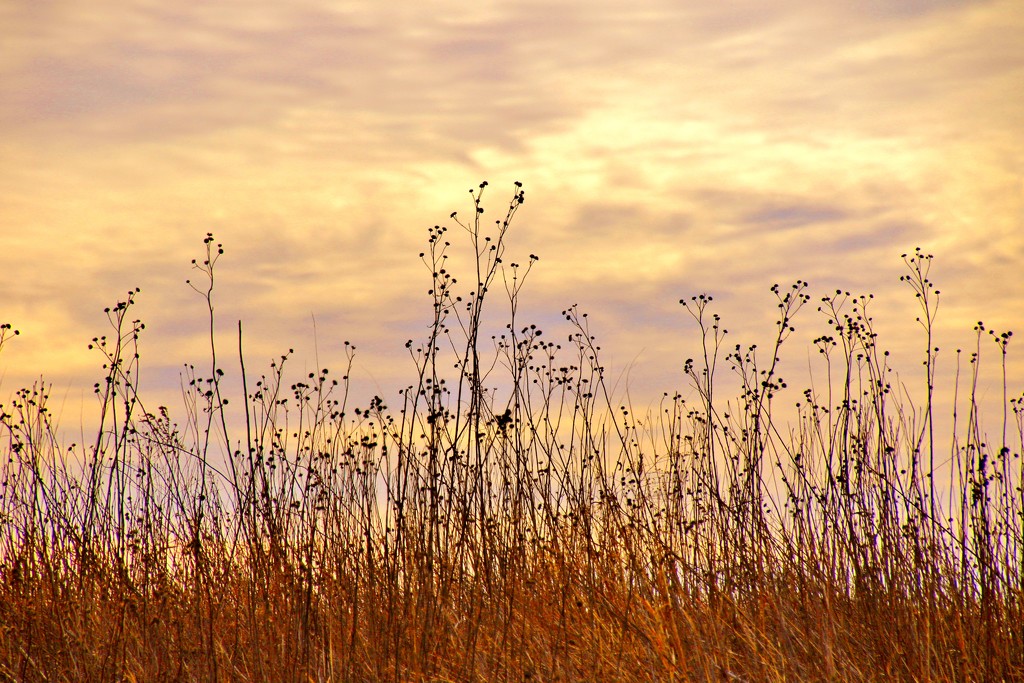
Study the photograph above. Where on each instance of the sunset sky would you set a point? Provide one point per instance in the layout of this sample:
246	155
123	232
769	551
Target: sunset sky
666	149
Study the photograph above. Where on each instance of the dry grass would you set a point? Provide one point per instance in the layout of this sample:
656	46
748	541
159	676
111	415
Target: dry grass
506	520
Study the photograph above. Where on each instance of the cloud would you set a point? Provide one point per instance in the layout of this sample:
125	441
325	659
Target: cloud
667	149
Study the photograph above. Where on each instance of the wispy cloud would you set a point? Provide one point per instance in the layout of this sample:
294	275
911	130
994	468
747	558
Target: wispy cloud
667	148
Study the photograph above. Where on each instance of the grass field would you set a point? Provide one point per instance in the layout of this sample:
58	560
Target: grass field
506	519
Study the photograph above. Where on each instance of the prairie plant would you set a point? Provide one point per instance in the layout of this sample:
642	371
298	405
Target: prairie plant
508	518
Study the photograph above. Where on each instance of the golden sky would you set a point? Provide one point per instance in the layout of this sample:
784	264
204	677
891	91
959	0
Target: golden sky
667	148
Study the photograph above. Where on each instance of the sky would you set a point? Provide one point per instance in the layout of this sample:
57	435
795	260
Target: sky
667	148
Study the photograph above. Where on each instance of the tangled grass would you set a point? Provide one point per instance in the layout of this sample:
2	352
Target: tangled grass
506	520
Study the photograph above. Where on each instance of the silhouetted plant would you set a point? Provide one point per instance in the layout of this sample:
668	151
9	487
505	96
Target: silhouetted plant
510	518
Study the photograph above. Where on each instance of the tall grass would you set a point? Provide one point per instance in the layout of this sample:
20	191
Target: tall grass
506	519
